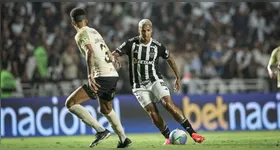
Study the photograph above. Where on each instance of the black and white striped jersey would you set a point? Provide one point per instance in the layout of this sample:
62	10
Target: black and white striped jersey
143	60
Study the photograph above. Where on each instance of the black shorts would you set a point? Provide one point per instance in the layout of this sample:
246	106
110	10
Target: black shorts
107	89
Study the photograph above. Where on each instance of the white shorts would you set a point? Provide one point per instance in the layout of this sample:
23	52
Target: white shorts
151	93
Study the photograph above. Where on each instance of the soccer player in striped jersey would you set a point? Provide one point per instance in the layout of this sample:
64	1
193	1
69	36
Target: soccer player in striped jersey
274	60
147	83
102	80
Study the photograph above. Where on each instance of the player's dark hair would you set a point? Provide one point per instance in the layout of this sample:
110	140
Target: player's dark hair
77	14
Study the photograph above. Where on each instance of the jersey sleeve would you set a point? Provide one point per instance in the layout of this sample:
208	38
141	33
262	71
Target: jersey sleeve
82	41
163	52
273	58
124	48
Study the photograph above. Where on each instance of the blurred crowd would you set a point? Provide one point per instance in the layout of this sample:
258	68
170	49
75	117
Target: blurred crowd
208	39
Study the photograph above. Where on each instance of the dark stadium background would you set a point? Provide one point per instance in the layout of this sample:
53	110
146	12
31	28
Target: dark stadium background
221	41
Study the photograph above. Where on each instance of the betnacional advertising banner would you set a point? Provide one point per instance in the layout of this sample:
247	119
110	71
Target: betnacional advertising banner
233	112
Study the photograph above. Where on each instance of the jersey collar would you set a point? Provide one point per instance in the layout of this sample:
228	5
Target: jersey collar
145	44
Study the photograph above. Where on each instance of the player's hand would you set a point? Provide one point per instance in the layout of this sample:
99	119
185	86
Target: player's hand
272	74
117	64
92	84
177	85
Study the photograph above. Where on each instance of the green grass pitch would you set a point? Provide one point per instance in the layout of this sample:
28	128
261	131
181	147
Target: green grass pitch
254	139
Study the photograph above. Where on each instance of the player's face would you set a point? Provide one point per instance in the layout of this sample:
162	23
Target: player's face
145	32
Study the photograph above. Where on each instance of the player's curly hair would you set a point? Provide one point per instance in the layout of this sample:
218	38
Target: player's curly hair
77	14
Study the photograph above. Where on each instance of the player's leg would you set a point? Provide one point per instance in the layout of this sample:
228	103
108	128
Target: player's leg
106	108
144	98
162	93
180	118
106	95
153	112
73	104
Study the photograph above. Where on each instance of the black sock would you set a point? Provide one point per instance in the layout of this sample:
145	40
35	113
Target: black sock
186	124
165	132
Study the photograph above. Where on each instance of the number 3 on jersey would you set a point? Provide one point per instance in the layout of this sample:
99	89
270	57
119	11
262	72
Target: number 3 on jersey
107	56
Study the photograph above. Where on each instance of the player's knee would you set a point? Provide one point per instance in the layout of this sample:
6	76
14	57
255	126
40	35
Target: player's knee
167	104
105	107
69	102
105	111
149	111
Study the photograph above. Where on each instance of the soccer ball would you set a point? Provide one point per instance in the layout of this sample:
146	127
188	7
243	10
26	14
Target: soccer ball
178	137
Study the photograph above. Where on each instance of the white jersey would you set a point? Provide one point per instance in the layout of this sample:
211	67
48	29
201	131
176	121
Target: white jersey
101	62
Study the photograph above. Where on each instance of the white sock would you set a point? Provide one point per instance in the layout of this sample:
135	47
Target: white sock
116	124
86	117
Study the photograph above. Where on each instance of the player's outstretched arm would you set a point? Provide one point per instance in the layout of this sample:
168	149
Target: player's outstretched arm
272	61
89	54
175	69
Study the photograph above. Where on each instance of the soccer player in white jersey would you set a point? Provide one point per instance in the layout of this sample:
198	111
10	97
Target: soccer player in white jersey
147	83
274	60
102	80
